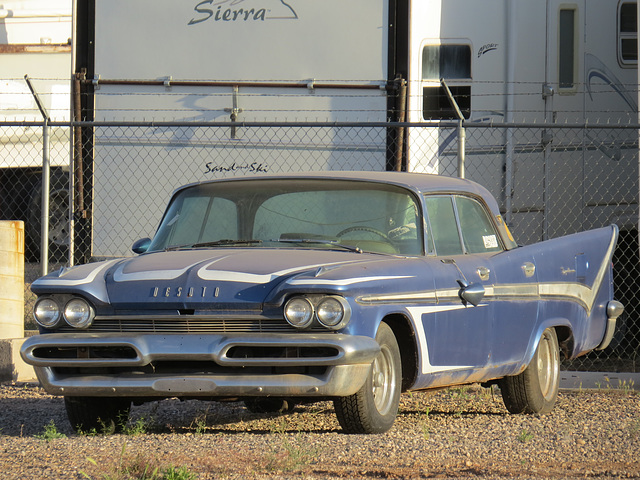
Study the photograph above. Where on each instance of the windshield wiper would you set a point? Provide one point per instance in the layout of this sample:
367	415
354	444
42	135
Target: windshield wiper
217	243
226	243
333	243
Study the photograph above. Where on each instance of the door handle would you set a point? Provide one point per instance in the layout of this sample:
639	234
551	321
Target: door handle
529	269
483	273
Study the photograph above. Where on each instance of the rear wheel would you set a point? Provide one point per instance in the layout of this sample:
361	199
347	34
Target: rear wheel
536	389
374	407
97	414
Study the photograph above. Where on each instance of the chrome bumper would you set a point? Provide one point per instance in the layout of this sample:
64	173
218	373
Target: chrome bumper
614	310
347	360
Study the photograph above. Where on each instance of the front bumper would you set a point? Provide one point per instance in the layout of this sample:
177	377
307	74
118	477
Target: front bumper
153	365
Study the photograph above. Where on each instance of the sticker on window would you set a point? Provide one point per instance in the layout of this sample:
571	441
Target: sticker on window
490	241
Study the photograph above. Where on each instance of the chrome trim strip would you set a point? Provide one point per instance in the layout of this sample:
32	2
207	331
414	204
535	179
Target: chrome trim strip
394	298
346	281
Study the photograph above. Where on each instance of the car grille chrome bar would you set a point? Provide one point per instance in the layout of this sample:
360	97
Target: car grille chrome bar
186	324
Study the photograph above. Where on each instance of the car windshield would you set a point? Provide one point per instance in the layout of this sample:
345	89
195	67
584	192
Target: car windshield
303	213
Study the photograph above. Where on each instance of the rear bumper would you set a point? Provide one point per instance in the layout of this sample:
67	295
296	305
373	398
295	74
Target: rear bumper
614	310
319	365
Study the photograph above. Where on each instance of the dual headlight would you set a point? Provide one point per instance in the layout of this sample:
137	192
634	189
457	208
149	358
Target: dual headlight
76	312
331	312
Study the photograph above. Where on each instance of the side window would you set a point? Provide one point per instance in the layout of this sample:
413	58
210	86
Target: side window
478	233
453	63
444	228
567	49
628	34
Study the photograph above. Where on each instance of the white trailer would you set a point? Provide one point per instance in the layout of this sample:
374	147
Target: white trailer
35	41
551	61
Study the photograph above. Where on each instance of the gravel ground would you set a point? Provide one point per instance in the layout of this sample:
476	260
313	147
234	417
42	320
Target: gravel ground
456	433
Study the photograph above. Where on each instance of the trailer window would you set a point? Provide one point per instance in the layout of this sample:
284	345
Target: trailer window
567	55
628	33
452	63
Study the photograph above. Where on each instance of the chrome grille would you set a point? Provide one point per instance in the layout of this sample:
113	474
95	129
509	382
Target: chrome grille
187	324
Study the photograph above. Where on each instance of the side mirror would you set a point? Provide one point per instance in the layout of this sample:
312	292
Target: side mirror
141	246
471	293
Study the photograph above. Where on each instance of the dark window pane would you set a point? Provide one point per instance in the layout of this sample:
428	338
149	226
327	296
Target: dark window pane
629	49
437	106
446	61
628	18
566	49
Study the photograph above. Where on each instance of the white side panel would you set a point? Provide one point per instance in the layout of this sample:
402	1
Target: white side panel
261	40
34	22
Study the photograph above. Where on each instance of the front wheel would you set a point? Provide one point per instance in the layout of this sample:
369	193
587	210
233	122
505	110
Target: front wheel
374	407
97	414
536	389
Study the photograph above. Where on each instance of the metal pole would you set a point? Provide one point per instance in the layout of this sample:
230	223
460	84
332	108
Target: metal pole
462	146
44	195
402	116
44	214
462	134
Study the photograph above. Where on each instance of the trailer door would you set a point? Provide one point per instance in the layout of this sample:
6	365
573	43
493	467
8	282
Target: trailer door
563	95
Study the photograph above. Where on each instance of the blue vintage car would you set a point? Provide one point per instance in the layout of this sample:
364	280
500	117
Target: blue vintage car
349	286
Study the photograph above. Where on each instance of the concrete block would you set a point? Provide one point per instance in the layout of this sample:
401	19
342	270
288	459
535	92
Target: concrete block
11	279
12	367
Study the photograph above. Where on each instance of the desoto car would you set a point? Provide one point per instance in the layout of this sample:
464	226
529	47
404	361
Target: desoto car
348	286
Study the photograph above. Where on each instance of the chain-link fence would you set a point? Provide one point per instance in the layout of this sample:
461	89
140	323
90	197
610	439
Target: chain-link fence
117	177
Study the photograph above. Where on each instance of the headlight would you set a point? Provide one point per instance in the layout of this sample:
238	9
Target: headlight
333	312
78	313
299	312
46	312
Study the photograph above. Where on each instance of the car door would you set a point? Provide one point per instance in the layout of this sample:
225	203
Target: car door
459	333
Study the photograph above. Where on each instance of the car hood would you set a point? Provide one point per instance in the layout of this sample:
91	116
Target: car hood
229	278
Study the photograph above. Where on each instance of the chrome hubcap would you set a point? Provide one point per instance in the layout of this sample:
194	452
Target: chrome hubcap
383	380
548	361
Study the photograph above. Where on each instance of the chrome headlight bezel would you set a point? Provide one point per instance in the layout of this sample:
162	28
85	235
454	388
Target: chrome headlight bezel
78	313
44	306
299	312
332	312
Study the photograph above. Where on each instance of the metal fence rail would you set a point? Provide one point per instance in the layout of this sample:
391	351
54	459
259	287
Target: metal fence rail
109	182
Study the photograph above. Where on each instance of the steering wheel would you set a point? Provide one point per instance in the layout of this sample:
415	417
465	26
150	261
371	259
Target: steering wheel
363	229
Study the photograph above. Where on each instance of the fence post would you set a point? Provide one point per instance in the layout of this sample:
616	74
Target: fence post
462	146
44	213
44	196
462	134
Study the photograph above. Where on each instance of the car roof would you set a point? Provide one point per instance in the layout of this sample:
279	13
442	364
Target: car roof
422	182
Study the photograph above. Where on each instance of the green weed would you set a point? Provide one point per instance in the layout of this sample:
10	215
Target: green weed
292	453
50	432
525	436
141	468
